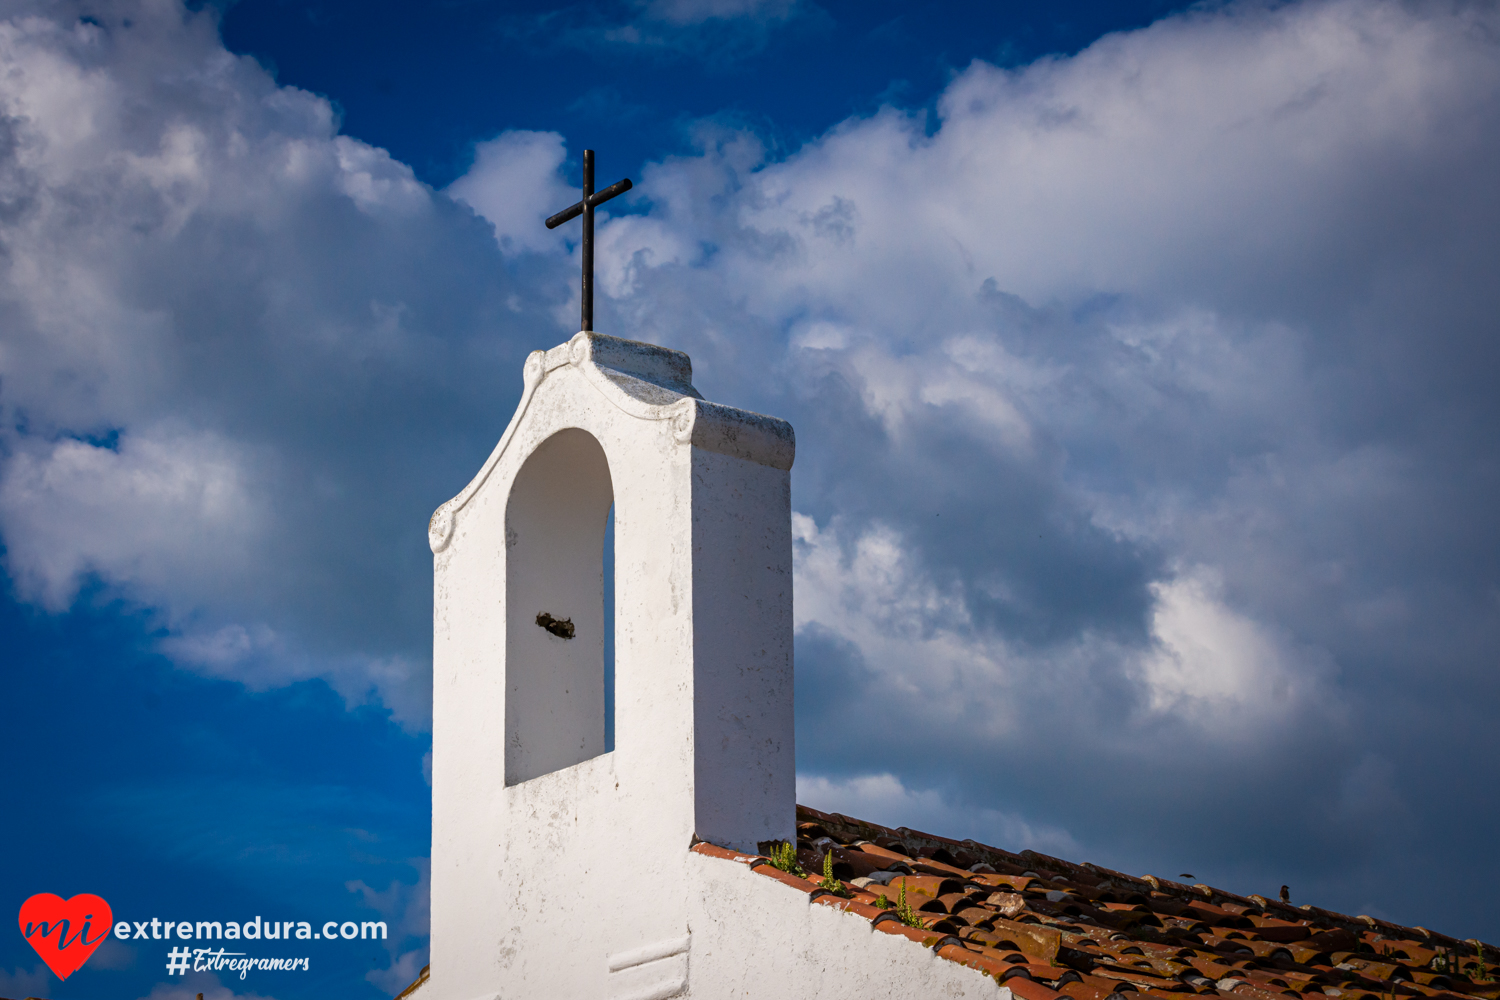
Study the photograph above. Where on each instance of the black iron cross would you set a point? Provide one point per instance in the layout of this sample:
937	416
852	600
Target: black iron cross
586	209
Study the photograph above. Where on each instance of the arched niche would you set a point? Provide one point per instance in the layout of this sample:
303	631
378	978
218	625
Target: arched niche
555	519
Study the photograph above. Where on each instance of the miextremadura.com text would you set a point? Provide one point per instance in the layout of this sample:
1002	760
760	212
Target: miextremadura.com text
157	929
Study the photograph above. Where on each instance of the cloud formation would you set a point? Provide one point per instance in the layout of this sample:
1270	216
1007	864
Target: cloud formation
238	349
407	908
1143	432
882	798
1144	477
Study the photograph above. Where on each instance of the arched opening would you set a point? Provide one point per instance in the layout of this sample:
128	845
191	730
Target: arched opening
609	631
556	525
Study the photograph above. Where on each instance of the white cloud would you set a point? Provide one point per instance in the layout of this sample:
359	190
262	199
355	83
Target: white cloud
402	972
155	514
407	908
515	185
1185	164
234	346
1220	667
374	181
882	798
1204	665
868	592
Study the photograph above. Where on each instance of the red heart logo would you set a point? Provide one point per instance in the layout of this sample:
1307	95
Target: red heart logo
63	930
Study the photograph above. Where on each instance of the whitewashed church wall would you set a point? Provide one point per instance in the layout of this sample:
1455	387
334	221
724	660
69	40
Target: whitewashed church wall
756	939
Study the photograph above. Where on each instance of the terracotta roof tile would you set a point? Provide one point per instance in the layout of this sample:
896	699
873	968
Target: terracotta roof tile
1051	929
851	905
926	938
976	960
715	851
1027	989
781	876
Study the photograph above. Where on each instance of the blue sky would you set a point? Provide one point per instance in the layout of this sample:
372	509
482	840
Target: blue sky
1141	359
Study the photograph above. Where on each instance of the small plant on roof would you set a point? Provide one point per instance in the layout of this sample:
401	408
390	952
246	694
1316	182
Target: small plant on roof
1480	973
784	856
905	913
830	883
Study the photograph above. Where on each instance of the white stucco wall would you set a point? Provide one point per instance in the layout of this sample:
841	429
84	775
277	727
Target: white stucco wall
562	871
756	938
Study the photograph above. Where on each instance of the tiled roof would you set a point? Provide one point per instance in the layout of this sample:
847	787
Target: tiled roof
1049	928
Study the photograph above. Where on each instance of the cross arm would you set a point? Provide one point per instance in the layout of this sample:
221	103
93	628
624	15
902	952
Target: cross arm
593	200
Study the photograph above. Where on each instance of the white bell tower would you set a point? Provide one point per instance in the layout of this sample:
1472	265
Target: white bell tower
550	855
